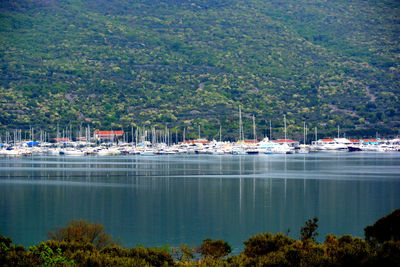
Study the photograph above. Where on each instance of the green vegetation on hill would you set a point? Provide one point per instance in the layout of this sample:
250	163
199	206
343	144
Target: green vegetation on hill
115	64
83	244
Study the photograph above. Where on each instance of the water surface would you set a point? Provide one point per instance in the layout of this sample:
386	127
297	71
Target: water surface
186	198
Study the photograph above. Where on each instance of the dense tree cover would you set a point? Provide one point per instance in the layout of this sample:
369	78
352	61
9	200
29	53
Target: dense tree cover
386	228
260	250
120	63
82	231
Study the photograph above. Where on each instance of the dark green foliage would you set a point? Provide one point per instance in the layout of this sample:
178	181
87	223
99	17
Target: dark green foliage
47	257
214	249
152	256
309	231
260	250
263	244
113	64
388	254
82	232
385	229
348	251
12	255
183	253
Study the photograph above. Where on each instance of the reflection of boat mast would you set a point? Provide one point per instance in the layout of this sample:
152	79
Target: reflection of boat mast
285	177
240	187
269	185
254	183
304	177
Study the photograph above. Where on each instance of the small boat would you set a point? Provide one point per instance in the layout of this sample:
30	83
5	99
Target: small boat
354	149
147	152
74	152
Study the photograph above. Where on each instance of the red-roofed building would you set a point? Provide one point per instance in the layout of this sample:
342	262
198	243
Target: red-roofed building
250	141
197	141
107	134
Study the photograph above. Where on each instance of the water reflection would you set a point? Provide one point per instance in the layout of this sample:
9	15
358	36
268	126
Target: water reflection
185	199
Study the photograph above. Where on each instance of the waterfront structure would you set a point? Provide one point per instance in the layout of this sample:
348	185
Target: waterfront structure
108	135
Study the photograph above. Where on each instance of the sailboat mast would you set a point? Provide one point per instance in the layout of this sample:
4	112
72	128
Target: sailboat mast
199	131
220	133
254	129
316	136
270	130
284	121
241	134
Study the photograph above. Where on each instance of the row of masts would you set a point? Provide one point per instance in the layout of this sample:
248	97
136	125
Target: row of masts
141	134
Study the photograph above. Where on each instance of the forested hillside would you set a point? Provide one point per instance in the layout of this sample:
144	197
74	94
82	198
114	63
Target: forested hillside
112	64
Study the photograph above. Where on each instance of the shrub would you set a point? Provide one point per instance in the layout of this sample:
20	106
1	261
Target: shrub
152	256
12	255
83	232
385	229
309	231
263	244
214	249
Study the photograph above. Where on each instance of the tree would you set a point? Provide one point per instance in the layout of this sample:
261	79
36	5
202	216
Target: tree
82	231
183	253
385	229
309	231
214	249
263	244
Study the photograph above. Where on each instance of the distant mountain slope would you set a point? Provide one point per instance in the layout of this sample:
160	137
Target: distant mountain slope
117	63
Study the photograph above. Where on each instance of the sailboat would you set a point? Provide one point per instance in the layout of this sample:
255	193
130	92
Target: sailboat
239	150
254	149
304	149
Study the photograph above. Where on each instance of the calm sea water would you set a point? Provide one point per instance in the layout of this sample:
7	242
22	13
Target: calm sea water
180	199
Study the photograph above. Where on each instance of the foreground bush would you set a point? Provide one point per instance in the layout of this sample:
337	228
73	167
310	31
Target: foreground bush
83	244
84	232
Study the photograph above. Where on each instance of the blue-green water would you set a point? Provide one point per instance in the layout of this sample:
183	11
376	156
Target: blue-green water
186	198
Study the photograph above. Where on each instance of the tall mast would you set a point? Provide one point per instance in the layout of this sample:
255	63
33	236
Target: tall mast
220	133
240	125
304	133
254	129
132	133
316	136
136	136
199	131
270	130
284	121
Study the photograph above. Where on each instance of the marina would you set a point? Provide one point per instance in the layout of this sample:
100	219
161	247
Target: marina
282	146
